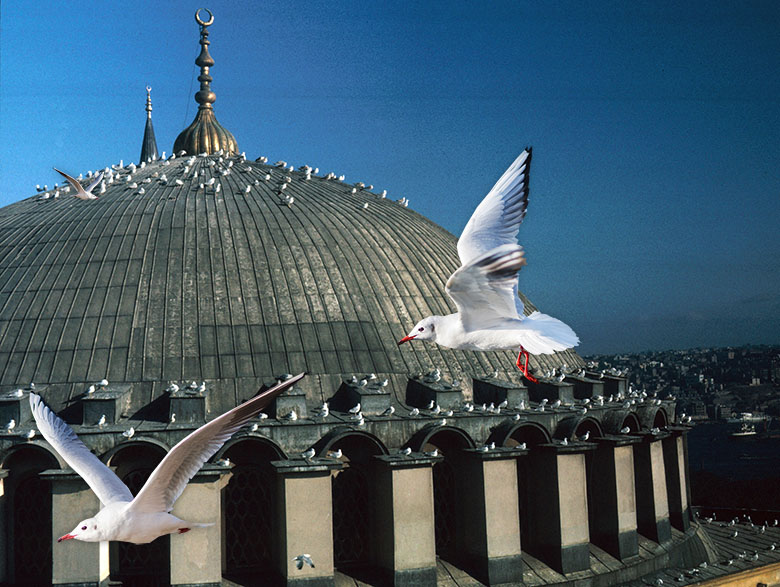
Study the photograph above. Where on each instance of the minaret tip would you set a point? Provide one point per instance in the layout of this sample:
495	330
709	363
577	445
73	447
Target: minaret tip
149	144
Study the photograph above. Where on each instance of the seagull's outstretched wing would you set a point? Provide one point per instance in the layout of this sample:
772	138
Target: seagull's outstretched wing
102	480
485	289
95	181
171	476
80	193
497	219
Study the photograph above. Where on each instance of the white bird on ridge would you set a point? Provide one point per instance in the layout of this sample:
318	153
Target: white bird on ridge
490	313
146	516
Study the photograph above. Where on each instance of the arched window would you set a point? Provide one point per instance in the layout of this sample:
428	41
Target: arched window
248	510
139	564
29	516
450	443
660	420
352	491
530	434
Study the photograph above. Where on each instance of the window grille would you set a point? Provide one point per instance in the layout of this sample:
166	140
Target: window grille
143	565
351	517
444	497
249	513
32	532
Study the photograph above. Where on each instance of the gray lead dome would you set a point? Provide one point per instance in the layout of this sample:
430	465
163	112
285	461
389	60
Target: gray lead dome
180	283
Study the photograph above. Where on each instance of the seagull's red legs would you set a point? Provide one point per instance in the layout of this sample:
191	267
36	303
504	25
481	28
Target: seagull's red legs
524	367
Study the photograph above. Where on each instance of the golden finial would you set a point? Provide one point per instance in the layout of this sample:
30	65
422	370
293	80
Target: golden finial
205	134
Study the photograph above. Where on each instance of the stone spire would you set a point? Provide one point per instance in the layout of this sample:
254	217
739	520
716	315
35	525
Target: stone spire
149	145
205	134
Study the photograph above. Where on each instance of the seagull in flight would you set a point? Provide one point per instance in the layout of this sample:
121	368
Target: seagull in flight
81	193
146	516
490	313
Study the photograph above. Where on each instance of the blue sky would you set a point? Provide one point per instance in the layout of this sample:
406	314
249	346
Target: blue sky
655	187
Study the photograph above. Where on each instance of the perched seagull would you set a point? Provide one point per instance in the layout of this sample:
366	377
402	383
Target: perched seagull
625	430
324	410
146	516
81	193
129	433
335	454
30	435
355	409
406	451
490	313
11	425
414	412
308	454
389	411
301	559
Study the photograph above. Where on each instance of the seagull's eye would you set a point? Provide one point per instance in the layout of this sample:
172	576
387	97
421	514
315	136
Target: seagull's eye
83	527
420	329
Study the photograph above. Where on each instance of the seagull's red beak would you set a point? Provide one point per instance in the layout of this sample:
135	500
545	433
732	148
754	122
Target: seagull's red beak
66	537
406	339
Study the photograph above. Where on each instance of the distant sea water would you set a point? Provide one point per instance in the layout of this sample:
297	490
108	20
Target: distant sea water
733	472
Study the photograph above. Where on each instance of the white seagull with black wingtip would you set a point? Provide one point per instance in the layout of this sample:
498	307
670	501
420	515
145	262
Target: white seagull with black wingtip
146	516
484	289
81	192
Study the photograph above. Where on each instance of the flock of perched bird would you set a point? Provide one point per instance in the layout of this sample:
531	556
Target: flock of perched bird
206	177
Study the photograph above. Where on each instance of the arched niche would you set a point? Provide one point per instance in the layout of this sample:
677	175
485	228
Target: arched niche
615	420
356	445
513	433
249	507
28	514
133	461
450	442
353	487
660	420
443	438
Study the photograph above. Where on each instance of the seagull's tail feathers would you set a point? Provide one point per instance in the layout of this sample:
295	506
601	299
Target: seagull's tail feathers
200	524
543	334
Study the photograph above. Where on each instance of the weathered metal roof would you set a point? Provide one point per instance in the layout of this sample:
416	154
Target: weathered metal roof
232	287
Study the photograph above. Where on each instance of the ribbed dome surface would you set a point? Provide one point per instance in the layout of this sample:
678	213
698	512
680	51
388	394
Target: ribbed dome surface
234	287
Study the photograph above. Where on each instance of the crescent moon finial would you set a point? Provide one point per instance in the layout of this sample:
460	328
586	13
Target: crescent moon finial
209	22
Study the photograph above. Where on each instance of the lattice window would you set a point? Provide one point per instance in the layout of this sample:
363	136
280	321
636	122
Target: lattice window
143	565
444	497
32	532
351	517
249	514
